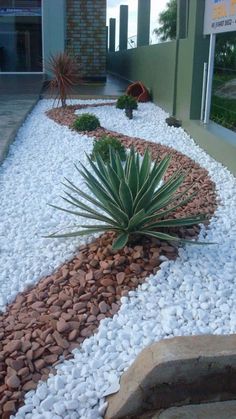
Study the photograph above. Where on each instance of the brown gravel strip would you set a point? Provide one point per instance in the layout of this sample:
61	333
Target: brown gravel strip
47	322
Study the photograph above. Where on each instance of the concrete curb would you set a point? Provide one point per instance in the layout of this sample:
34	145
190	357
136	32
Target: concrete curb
174	372
9	138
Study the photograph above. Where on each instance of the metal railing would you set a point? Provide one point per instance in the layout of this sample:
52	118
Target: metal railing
131	43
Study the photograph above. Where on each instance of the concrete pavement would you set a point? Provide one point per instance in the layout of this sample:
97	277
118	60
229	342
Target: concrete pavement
18	95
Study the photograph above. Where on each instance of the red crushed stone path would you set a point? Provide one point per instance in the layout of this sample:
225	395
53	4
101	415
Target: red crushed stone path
55	316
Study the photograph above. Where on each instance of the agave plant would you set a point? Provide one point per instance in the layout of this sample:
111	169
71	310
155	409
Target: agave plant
65	75
130	199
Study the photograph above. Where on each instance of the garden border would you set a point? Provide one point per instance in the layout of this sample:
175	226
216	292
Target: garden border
173	372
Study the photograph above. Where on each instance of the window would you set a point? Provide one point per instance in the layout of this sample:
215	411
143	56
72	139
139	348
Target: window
20	36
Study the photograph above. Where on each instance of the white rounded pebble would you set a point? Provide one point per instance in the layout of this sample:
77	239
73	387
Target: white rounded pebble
59	383
47	404
59	408
72	404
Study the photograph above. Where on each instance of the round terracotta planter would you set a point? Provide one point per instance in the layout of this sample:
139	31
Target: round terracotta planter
139	91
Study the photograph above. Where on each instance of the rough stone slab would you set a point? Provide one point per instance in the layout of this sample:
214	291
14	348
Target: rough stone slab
176	371
223	410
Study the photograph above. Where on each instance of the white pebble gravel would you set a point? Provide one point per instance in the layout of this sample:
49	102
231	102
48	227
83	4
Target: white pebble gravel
195	294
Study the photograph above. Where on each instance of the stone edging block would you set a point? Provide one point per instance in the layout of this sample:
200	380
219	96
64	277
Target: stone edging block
172	372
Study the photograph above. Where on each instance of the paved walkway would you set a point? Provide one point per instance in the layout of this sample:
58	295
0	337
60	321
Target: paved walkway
112	88
20	93
220	410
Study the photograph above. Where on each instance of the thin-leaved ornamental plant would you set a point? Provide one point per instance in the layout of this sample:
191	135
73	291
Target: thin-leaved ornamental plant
64	70
130	199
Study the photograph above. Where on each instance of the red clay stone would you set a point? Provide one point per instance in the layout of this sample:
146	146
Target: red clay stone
12	381
12	346
103	307
29	385
9	406
62	326
120	277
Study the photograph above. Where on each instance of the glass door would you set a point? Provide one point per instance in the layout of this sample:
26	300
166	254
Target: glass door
20	36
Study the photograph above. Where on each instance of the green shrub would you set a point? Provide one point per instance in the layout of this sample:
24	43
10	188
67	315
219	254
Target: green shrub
103	145
86	122
128	200
126	102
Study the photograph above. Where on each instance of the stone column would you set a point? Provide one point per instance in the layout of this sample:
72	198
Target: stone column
144	9
112	35
123	28
86	36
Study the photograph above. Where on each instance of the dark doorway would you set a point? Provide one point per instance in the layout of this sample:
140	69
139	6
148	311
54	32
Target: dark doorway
20	36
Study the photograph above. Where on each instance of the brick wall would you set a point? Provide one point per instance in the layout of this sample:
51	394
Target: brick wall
86	35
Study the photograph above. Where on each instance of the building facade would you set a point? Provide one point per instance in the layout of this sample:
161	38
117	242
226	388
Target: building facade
33	30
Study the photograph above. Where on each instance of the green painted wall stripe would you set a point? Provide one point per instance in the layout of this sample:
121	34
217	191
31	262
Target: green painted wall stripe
112	34
144	9
123	37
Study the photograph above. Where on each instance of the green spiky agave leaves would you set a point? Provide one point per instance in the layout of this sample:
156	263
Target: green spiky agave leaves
128	199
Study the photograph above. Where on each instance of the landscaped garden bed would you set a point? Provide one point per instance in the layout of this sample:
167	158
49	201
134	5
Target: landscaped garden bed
69	286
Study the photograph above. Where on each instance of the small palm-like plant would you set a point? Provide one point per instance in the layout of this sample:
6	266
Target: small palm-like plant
65	75
128	103
128	198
